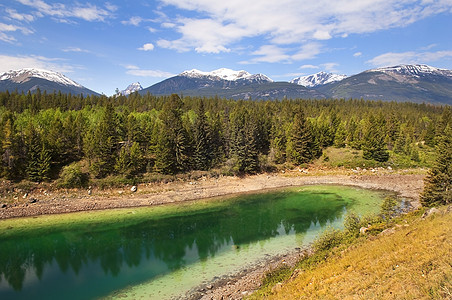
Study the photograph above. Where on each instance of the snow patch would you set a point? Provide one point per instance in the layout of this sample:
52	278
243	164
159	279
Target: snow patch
225	74
317	79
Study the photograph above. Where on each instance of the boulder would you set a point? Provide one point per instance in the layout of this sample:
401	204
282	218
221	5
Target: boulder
133	189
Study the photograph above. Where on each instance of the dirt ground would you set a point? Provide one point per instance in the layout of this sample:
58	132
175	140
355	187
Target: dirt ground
42	201
407	183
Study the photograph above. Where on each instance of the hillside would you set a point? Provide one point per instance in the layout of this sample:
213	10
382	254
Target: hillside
410	261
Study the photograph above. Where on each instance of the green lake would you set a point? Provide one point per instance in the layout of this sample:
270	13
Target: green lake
163	252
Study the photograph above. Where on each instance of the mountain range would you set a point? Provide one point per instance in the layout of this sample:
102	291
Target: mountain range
414	83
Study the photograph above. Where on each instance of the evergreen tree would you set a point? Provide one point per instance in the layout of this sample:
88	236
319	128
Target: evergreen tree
341	136
301	145
374	146
243	142
438	183
173	145
103	145
202	155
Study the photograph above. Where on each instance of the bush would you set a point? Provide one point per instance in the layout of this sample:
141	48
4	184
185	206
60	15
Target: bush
329	239
352	224
389	208
72	176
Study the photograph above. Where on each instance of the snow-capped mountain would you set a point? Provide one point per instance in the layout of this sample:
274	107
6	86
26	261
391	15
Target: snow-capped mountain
413	70
412	83
132	88
225	74
30	79
317	79
24	75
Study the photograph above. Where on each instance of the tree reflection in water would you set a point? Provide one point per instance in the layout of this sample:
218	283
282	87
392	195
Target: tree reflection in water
161	242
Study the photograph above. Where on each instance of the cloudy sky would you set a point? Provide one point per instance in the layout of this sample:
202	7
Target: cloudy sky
108	45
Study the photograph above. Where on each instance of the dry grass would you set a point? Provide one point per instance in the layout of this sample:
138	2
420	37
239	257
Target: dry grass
415	262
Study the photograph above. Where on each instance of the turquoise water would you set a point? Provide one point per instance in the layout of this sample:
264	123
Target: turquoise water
164	252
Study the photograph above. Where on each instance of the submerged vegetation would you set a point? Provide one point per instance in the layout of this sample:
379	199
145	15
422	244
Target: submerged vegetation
79	140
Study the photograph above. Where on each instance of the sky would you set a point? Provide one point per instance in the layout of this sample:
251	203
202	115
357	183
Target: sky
108	45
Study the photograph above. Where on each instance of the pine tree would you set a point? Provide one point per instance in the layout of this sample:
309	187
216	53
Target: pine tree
243	142
172	155
438	183
341	136
301	145
202	155
374	146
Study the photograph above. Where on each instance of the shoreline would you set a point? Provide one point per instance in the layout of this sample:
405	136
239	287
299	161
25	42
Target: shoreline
249	278
42	202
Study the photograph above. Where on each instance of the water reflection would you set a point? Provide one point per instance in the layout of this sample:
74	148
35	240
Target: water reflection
55	264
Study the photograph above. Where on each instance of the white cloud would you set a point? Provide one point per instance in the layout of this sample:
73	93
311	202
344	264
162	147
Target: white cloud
330	67
13	14
11	28
8	63
218	25
135	21
136	71
60	11
147	47
308	67
75	49
410	57
357	54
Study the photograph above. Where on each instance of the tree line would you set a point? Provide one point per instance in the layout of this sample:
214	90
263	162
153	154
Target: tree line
45	136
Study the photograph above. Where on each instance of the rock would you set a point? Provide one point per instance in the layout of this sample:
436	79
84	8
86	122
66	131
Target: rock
363	230
277	287
4	205
33	200
90	192
25	195
388	231
133	189
430	212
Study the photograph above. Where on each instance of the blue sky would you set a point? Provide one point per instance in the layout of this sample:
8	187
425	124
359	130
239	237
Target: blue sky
108	45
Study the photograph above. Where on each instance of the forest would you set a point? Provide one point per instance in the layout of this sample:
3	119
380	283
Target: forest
74	139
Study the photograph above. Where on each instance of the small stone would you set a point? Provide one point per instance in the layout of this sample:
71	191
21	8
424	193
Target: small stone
33	200
430	212
4	205
25	195
133	189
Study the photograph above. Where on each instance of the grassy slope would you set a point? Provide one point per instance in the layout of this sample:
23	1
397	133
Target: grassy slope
413	263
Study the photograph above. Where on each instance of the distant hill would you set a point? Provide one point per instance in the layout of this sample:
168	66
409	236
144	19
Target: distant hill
29	79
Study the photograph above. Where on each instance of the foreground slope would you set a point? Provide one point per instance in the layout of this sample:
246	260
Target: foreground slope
412	261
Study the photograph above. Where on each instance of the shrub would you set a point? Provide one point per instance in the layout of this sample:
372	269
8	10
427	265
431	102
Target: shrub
389	208
329	239
352	224
72	176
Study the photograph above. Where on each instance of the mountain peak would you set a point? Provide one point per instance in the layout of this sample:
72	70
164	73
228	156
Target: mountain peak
317	79
133	87
25	74
225	74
